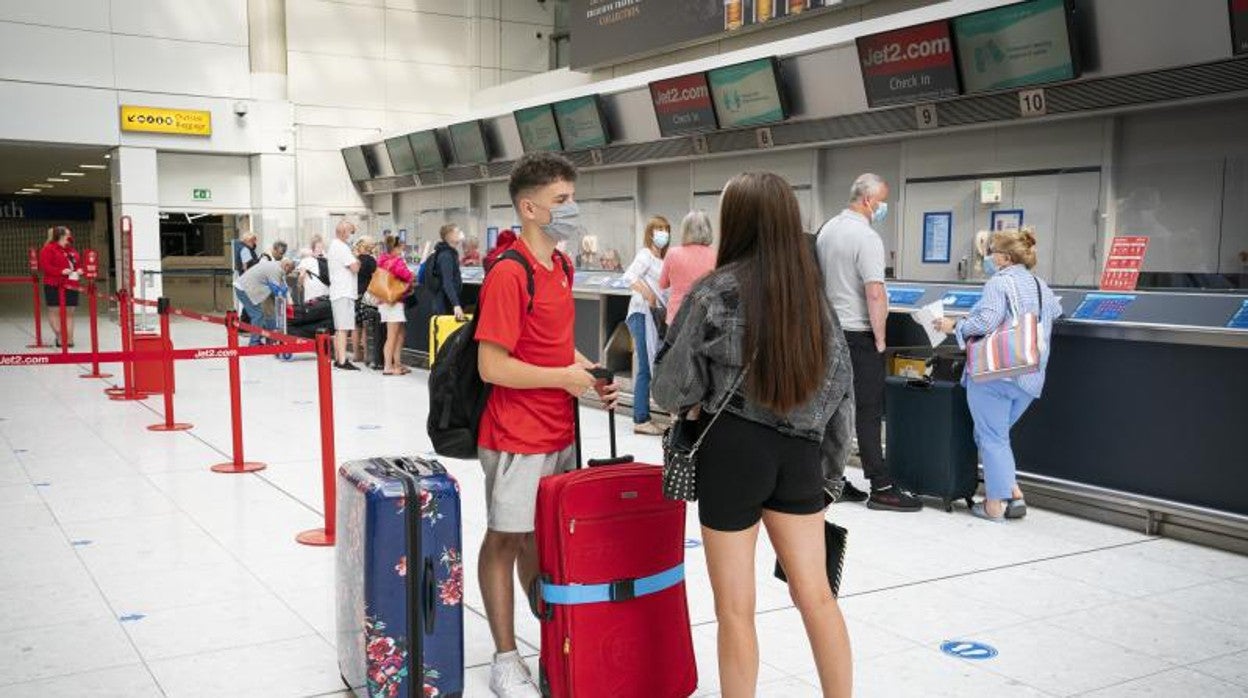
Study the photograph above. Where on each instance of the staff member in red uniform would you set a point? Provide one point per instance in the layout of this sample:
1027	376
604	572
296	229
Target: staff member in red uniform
58	261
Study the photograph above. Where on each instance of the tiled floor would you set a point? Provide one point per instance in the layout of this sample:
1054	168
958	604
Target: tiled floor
128	569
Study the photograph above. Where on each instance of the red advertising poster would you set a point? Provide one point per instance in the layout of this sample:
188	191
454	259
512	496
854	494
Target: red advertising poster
683	105
909	65
1122	267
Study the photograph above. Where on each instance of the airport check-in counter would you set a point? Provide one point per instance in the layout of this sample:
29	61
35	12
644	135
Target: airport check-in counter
1145	406
601	307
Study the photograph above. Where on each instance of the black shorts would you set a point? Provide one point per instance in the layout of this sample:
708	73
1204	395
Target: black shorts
52	296
745	467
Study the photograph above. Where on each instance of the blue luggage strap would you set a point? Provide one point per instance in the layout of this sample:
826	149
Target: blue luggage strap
621	590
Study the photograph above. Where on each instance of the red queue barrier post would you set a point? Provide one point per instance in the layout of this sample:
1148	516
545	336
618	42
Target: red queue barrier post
34	293
125	312
93	309
162	309
64	342
238	465
324	385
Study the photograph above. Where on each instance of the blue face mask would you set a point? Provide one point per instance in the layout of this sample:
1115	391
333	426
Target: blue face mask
565	221
990	266
662	238
880	212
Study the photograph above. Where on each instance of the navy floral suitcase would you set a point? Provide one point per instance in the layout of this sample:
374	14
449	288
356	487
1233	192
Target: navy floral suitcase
400	580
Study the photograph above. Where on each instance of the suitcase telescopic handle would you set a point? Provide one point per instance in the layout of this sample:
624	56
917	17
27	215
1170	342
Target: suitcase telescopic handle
429	597
606	376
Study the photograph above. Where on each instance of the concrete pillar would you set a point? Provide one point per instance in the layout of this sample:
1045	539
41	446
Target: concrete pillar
273	200
135	194
266	30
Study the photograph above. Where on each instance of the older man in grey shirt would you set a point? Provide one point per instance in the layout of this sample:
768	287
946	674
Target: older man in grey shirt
851	255
255	286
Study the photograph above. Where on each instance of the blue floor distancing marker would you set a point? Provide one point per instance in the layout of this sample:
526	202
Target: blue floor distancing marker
369	427
968	649
691	543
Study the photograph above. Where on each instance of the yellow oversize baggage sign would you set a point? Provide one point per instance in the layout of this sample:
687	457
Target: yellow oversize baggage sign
185	122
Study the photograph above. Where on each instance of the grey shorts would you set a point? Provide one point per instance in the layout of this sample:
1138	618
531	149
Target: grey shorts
511	485
344	313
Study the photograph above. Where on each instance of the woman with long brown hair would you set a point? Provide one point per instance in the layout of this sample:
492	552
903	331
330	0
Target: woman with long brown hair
754	340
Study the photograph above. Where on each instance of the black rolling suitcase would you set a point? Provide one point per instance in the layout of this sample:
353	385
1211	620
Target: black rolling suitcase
931	439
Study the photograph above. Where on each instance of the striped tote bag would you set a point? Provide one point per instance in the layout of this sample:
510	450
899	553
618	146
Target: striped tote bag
1010	350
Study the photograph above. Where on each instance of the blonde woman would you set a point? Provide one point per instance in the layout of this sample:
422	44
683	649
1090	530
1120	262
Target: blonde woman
997	404
367	319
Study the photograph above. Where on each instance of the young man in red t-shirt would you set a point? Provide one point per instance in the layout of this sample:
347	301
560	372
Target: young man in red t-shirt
528	353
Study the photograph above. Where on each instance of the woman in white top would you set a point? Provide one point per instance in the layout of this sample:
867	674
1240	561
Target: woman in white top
643	278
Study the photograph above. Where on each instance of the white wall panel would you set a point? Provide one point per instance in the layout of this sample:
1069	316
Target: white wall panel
265	125
75	14
522	50
228	176
401	122
457	8
323	181
181	67
428	38
528	12
57	114
332	81
428	88
333	138
796	166
339	116
321	26
59	56
208	21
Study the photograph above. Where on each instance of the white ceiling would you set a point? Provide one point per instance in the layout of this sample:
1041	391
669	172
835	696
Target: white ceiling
23	165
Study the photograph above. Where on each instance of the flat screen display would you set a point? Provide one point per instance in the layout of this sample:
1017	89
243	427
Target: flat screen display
1239	26
402	159
580	123
426	150
538	131
915	64
469	142
359	166
683	105
748	94
1015	46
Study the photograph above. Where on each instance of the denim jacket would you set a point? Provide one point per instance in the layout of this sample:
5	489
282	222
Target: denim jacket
702	358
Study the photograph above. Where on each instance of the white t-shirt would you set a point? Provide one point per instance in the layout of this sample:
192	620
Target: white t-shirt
342	281
309	270
851	254
645	268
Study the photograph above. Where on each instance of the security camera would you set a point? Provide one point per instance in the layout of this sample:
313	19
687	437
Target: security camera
240	109
282	146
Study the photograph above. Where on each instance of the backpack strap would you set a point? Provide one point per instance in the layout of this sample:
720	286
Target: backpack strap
515	256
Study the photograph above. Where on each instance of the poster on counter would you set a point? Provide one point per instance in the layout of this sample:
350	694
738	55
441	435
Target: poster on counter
1123	265
915	64
1239	26
1027	43
937	236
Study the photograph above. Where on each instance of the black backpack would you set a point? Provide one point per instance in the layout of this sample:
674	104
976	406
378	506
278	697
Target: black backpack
322	270
457	395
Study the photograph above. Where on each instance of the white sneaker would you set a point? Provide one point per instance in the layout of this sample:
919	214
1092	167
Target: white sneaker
510	678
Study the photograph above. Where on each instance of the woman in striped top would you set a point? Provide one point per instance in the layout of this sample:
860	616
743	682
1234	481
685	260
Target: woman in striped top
997	404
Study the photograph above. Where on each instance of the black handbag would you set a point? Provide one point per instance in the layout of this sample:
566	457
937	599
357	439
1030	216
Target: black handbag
680	451
836	537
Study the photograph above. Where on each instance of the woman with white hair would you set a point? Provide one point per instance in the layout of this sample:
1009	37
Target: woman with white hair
685	265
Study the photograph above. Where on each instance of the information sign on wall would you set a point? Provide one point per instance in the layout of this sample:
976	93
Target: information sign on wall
1027	43
683	105
184	122
1122	267
908	65
937	237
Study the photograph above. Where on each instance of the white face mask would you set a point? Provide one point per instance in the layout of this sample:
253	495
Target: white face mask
662	238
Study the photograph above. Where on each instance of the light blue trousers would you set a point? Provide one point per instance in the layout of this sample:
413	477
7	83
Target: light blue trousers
996	406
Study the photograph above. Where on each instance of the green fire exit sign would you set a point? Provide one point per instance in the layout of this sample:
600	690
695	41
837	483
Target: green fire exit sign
201	195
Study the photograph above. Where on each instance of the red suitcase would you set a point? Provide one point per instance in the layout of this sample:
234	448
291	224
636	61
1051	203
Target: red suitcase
615	621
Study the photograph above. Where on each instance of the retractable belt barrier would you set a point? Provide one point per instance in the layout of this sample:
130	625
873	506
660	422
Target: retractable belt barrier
280	344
